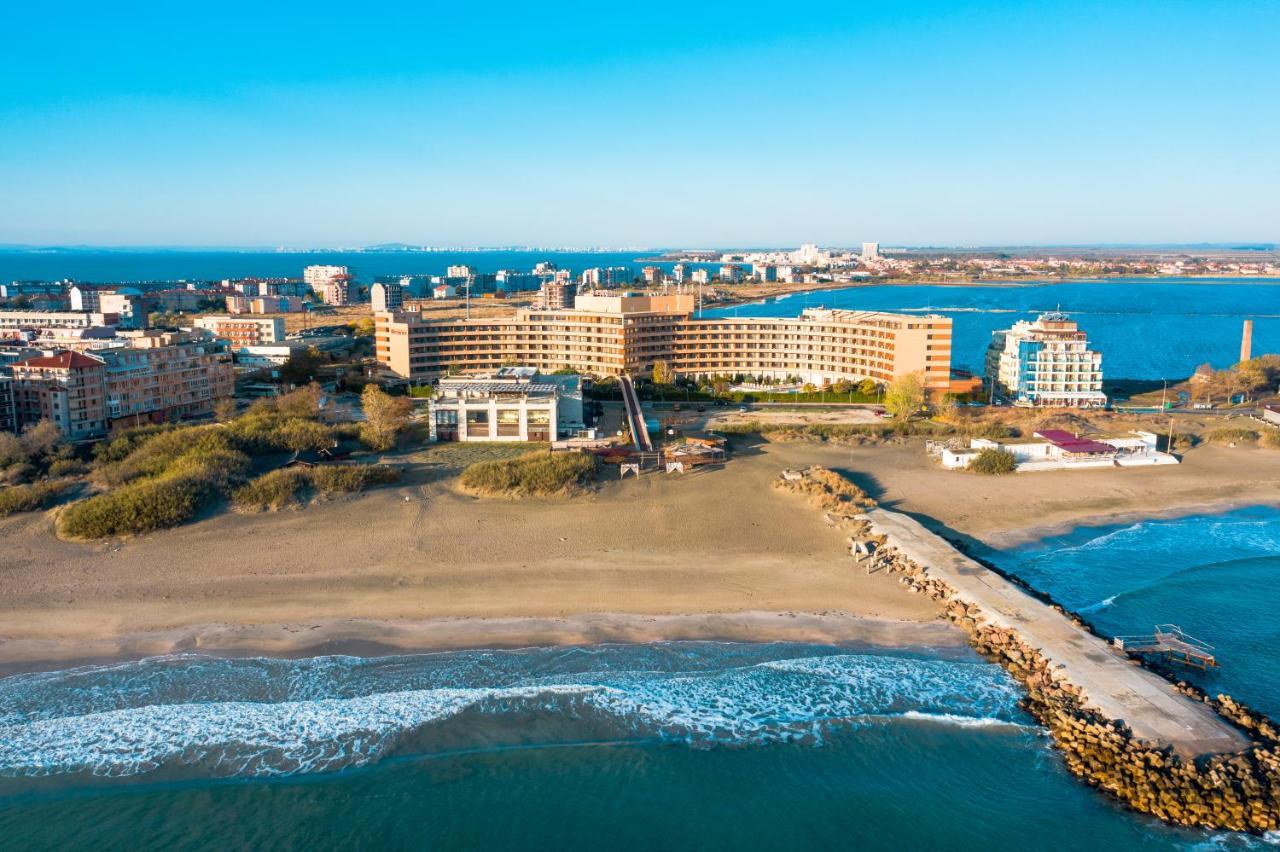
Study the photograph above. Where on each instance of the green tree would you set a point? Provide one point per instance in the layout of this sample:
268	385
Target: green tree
303	402
385	417
302	366
867	387
661	373
904	396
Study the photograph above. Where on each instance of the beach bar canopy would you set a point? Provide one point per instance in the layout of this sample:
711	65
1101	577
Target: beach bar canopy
1073	445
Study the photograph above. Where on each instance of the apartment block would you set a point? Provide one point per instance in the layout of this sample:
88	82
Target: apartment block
8	413
40	320
67	388
244	331
386	296
1047	362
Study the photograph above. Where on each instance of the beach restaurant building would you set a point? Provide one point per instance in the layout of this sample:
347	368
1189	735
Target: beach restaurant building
511	404
1058	449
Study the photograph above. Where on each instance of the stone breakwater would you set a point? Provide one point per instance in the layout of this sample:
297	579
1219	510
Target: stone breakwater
1237	791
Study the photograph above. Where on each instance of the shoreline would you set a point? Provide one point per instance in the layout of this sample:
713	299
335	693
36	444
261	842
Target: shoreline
764	298
1010	539
389	637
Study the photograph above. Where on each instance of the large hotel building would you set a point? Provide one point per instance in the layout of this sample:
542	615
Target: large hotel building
607	335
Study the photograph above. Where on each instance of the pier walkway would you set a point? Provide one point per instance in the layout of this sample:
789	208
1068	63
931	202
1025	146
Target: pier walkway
1117	687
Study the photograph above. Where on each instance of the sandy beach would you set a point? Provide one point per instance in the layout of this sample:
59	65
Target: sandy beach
714	555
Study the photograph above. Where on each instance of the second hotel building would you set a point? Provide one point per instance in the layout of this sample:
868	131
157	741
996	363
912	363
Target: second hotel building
608	335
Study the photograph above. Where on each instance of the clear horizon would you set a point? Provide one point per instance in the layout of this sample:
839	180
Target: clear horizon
947	124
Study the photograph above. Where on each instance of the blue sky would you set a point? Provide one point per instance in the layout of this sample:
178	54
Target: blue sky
639	124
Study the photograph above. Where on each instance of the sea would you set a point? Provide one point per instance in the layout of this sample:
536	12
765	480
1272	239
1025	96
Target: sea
679	745
1147	329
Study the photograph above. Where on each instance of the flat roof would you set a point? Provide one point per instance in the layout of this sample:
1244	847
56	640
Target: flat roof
1067	442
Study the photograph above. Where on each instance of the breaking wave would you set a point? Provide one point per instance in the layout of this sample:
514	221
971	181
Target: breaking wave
201	716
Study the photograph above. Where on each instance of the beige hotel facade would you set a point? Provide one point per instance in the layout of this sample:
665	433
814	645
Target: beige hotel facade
608	335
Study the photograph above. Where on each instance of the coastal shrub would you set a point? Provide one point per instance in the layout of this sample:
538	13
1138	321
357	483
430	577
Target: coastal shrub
346	478
142	506
271	491
1231	435
11	450
28	498
125	444
154	456
531	474
994	461
826	489
67	467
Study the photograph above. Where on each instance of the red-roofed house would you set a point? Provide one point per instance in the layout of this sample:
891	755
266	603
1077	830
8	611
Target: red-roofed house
68	388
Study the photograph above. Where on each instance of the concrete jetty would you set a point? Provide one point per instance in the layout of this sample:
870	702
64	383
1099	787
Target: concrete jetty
1154	710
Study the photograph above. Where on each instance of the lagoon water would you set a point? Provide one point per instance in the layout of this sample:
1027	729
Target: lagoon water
687	745
1144	328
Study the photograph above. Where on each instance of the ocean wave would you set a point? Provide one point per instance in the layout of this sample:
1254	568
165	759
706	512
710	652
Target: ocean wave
83	729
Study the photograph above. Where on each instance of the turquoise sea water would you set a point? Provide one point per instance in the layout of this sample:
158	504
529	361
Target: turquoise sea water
1216	576
677	745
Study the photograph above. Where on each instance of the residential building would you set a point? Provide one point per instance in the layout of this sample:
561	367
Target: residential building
701	276
444	291
66	388
731	273
764	272
237	304
511	281
8	413
557	295
1045	363
509	404
460	270
126	303
85	297
39	320
386	296
161	377
870	251
680	272
244	331
652	274
610	335
318	277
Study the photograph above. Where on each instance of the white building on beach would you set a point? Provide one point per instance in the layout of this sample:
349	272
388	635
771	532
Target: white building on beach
1057	449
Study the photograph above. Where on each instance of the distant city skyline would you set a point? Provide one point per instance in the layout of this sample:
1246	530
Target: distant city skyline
929	124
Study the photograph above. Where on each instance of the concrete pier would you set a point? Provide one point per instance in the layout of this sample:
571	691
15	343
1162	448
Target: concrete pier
1112	684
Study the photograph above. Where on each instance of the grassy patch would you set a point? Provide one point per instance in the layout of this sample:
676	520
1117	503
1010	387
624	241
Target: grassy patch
271	491
1231	435
28	498
826	490
532	474
1271	439
347	478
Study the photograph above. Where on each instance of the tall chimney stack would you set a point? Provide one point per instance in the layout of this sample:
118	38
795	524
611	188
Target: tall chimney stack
1246	341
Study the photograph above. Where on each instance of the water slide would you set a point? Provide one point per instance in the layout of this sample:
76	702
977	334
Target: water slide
635	417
